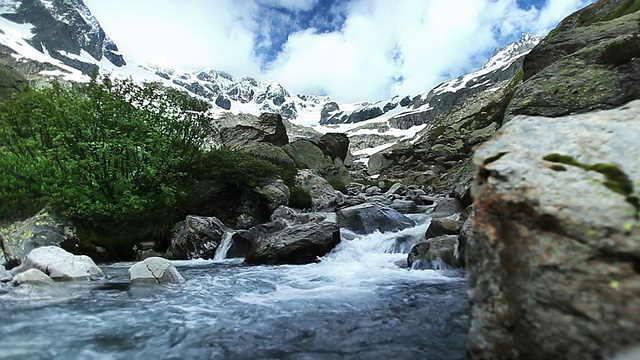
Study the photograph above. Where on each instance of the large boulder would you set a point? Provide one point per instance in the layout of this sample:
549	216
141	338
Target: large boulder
43	229
553	263
294	243
434	254
154	271
368	218
466	233
443	226
584	65
197	237
307	155
275	193
334	145
268	128
323	196
61	265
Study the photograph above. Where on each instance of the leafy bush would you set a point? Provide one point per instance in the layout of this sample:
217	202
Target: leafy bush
300	198
109	150
236	168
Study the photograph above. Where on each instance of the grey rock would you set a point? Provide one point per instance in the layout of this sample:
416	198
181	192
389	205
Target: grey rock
268	128
555	242
61	265
447	207
404	206
276	193
294	244
223	102
443	226
154	271
397	189
307	155
197	237
32	277
323	196
434	254
368	218
355	189
373	190
465	236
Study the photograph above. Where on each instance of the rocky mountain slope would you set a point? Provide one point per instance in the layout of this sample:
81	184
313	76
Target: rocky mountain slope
62	30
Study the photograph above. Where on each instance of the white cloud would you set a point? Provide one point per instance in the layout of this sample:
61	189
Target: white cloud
382	49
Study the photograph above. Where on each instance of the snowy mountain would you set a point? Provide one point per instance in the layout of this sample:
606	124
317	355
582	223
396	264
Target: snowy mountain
44	39
64	30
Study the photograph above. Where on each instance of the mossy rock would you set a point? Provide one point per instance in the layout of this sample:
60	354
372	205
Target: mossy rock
11	82
300	198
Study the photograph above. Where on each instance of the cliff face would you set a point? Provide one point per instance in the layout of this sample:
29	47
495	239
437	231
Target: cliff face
554	260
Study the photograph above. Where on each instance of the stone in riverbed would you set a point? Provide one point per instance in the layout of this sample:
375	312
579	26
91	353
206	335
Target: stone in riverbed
154	271
443	226
367	218
32	277
197	237
299	241
435	253
61	265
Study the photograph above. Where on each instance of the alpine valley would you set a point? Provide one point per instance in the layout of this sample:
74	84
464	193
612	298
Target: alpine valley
495	216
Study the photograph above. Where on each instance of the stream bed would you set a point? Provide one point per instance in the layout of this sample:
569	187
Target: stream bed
356	303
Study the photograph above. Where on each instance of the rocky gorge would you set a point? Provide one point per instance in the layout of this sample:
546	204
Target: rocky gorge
508	230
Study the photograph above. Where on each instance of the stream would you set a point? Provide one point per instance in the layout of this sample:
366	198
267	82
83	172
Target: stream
356	303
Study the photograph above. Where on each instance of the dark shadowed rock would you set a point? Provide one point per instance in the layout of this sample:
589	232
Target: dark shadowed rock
436	253
553	263
404	206
197	237
334	145
295	244
367	218
447	207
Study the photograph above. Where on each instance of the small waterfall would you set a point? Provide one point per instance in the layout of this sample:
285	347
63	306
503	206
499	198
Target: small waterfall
225	245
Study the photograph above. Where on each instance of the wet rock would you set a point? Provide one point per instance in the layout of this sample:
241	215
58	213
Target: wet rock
294	244
323	196
435	253
154	271
197	237
367	218
443	226
43	229
32	277
555	238
61	265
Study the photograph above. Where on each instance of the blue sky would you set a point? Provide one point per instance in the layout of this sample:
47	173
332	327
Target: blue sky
351	50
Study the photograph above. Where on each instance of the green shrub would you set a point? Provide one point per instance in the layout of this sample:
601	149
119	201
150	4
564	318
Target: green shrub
236	168
103	152
300	198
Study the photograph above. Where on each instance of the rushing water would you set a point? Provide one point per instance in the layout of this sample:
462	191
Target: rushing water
354	304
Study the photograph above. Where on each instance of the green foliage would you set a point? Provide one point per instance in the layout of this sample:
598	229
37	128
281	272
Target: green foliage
628	7
109	150
236	168
337	184
300	198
